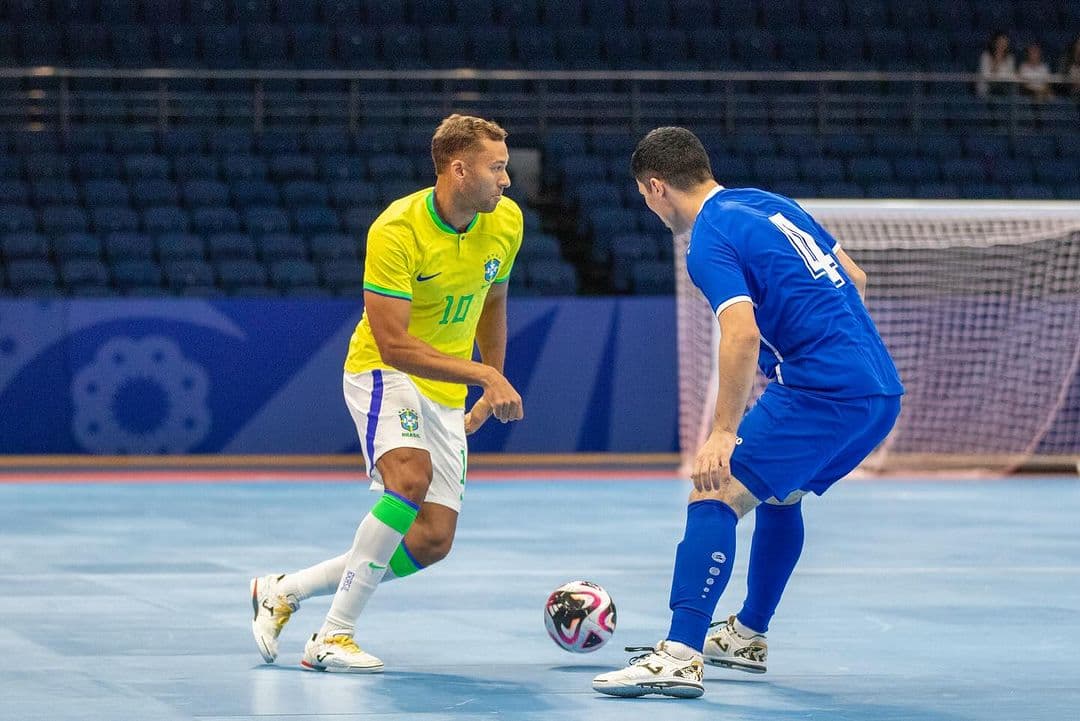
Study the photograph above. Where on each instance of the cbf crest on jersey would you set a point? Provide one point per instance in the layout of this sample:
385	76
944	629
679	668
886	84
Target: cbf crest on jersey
410	422
491	268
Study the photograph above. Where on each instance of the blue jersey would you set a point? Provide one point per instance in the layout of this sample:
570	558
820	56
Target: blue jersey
816	335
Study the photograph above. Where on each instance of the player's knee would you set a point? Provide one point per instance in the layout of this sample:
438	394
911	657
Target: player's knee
732	493
407	472
790	500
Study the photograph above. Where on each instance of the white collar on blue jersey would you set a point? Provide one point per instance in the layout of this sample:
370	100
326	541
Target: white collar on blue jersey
712	192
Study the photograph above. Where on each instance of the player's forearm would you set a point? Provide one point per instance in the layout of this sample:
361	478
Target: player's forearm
491	335
415	357
738	367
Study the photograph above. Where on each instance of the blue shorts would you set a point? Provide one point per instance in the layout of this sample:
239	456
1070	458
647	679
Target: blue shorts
793	440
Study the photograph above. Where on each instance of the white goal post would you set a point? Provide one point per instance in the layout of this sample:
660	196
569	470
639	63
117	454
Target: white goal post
979	304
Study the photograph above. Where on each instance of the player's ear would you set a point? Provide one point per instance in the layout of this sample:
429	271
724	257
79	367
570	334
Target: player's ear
457	168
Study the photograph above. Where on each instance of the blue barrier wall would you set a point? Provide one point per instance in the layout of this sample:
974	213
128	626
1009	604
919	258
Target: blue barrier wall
264	376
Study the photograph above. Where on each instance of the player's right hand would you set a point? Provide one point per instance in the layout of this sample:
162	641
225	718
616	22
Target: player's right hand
505	402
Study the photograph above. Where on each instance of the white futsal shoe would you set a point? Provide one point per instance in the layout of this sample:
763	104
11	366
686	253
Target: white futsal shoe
656	671
730	649
272	612
338	653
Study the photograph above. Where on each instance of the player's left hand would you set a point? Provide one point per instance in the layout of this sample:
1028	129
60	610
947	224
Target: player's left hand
477	415
712	467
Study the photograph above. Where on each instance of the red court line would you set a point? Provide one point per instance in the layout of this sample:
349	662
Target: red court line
278	476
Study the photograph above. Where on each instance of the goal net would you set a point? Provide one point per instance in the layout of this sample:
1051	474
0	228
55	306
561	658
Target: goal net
979	304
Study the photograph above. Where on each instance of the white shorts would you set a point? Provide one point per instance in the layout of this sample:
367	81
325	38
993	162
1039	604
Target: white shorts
390	412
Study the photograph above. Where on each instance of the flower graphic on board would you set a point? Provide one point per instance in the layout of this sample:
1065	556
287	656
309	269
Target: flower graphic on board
140	396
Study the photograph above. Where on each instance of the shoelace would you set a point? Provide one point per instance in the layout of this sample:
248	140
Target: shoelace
346	642
649	651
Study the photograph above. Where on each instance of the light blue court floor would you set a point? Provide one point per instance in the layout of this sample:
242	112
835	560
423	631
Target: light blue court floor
936	601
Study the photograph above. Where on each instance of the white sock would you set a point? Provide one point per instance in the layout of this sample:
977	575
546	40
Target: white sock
322	579
745	631
373	545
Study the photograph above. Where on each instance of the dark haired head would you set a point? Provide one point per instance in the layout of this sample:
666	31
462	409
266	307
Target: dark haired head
673	155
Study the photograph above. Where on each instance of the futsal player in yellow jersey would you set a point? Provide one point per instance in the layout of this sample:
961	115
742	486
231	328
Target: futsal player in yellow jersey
434	284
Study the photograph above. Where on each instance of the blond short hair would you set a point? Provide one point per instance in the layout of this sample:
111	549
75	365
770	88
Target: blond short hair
458	134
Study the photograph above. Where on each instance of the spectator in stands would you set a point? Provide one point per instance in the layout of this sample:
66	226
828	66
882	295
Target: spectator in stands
996	63
1070	70
1035	73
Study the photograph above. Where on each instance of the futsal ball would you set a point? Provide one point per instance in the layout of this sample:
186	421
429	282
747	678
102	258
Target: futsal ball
580	616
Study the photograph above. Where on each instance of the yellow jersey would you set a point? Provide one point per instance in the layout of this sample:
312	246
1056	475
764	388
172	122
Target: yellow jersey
413	254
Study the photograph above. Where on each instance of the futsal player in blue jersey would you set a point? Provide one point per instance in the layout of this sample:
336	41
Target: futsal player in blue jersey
789	301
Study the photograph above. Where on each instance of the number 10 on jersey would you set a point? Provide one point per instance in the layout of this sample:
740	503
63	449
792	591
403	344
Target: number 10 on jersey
462	310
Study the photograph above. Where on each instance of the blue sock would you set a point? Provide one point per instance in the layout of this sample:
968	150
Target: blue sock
702	569
774	551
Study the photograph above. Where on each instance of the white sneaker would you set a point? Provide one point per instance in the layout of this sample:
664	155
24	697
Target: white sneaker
657	671
729	648
338	653
272	612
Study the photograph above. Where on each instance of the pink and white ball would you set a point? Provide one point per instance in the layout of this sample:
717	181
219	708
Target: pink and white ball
580	616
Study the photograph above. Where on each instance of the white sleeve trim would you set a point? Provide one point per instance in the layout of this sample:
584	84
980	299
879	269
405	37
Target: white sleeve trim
836	247
732	301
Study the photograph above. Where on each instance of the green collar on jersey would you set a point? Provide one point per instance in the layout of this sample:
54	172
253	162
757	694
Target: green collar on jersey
443	225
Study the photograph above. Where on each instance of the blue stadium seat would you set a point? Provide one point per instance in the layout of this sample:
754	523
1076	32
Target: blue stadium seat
281	246
963	170
331	246
520	13
915	169
312	46
445	53
226	246
115	219
195	167
540	246
986	146
304	192
870	170
357	220
595	195
267	45
939	145
894	145
19	246
16	219
889	190
474	13
393	190
841	190
289	167
231	141
128	246
1035	147
153	191
358	47
390	167
653	277
14	192
559	144
868	13
58	219
243	167
83	139
47	165
166	219
105	192
188	272
1059	172
146	166
182	141
200	193
180	246
603	222
937	190
403	46
769	170
247	193
177	45
326	141
497	47
142	272
1067	146
797	188
80	273
347	193
293	273
132	142
266	219
580	169
820	170
10	167
1011	171
222	47
29	142
214	220
579	48
1030	191
552	277
799	145
77	245
731	169
342	275
561	13
278	142
29	277
623	47
342	167
314	219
